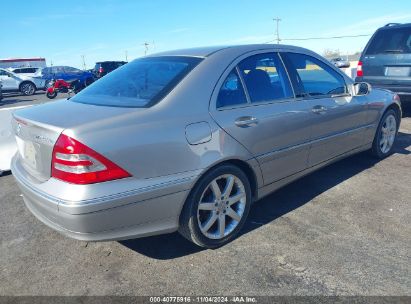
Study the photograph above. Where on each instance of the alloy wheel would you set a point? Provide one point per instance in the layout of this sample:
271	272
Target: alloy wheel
388	132
28	89
221	206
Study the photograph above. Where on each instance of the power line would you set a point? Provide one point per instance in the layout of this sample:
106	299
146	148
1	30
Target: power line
321	38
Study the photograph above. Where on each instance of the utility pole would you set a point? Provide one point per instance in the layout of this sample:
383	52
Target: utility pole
146	44
277	20
84	62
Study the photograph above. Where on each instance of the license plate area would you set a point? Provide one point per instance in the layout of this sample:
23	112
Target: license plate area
398	71
28	152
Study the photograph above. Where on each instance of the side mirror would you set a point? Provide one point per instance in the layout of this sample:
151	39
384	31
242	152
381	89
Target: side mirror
362	88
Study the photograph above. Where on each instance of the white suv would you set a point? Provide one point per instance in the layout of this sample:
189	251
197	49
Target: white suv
27	85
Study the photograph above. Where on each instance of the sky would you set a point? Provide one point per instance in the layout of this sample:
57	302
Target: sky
64	31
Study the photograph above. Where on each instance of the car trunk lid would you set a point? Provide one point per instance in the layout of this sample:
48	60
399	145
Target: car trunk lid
387	67
387	58
38	128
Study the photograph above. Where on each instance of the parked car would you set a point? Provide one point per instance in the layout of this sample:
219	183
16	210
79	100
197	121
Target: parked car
19	83
66	73
386	60
187	140
25	71
104	67
340	62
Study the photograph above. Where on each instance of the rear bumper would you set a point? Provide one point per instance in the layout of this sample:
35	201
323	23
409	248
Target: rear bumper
143	212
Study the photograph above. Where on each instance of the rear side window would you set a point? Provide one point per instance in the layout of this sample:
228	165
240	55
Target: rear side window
393	40
265	78
141	83
313	77
231	92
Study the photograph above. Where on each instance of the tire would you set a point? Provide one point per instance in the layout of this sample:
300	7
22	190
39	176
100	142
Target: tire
27	88
386	134
51	95
88	82
202	226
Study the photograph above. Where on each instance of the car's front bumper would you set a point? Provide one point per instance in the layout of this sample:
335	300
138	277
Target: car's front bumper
143	212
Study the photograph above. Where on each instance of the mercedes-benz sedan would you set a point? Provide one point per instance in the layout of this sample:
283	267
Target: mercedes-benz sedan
187	140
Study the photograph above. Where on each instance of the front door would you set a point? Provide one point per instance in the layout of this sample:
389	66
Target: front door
340	118
8	81
256	106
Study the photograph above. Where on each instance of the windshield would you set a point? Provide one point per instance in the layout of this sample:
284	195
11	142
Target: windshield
395	40
141	83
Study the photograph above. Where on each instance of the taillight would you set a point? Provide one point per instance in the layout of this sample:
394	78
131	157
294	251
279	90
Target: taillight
101	70
76	163
360	73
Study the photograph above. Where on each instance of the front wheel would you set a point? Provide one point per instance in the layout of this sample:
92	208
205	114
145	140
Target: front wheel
217	207
385	135
51	95
27	88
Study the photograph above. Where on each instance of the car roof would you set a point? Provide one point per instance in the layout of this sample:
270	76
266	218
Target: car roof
208	51
110	61
395	25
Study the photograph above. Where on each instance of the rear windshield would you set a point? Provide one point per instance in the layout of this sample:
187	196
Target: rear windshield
394	40
141	83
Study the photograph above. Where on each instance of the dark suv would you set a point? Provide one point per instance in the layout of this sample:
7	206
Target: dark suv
386	60
104	67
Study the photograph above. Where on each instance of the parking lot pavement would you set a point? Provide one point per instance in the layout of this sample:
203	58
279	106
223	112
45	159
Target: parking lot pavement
343	230
16	99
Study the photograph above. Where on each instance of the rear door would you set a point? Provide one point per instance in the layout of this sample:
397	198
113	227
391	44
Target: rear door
255	104
387	58
338	118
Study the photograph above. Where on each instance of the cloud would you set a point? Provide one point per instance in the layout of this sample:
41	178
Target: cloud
178	30
250	39
368	26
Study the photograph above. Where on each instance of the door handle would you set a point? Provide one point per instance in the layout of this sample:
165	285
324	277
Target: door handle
318	109
246	121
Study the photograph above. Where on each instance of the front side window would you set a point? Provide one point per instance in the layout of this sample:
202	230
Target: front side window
71	70
231	92
140	83
312	77
265	78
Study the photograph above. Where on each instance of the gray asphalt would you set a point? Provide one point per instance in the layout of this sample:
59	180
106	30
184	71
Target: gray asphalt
344	230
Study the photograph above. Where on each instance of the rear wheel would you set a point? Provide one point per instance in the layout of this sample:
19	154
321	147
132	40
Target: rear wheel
88	81
217	207
385	135
27	88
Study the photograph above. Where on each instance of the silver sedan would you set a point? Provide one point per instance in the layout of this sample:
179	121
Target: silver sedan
186	140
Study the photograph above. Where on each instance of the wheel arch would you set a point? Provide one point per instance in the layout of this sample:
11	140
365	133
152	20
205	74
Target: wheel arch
397	109
241	164
27	81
